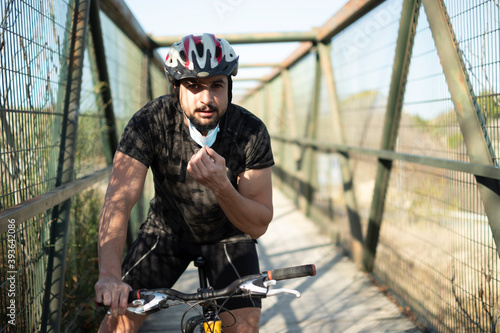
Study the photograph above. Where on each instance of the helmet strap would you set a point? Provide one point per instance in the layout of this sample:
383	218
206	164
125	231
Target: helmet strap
229	89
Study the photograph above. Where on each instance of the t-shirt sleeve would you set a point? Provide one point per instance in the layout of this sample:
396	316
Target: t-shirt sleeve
136	140
259	149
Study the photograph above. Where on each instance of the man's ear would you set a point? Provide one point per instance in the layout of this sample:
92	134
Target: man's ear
174	90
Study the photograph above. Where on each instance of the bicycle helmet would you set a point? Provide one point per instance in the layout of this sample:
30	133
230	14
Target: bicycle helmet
200	56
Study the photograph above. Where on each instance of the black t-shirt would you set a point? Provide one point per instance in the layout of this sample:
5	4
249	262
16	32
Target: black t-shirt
182	208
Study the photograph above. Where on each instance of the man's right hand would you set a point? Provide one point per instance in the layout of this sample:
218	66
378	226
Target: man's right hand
112	292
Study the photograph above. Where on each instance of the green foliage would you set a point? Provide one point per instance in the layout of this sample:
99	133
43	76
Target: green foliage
489	104
455	140
421	122
79	312
90	155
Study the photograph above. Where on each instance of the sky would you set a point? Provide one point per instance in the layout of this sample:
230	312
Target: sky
167	18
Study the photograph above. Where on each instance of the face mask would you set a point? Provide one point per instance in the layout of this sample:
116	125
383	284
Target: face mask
203	141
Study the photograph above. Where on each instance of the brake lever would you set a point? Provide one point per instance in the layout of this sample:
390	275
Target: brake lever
142	308
274	292
265	290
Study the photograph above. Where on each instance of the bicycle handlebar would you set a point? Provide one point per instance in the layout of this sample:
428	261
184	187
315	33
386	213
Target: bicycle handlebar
256	285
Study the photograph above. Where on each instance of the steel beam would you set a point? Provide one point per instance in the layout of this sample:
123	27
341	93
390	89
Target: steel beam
480	170
249	38
402	58
57	248
467	109
263	64
121	15
243	79
288	123
345	166
311	133
349	13
103	77
41	203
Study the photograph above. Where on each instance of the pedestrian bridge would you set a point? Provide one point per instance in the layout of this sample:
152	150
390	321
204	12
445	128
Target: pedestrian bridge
385	131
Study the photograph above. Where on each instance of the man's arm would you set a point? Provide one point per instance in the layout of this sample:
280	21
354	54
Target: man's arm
250	209
124	189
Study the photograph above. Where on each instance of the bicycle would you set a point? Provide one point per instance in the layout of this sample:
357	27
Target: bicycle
147	301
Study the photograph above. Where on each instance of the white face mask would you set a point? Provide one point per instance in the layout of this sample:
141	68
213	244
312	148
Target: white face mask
203	141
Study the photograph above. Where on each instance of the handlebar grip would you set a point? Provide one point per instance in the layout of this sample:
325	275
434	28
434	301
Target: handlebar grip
134	295
291	272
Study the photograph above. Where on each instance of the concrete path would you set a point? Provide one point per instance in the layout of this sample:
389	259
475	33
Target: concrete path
339	298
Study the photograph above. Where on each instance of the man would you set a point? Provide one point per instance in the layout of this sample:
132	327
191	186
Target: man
211	162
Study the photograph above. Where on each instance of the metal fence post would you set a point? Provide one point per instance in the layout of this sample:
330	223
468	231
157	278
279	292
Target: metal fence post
347	178
404	46
311	133
467	109
54	286
103	77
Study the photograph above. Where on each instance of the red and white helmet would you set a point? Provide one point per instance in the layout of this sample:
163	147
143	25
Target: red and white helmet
200	56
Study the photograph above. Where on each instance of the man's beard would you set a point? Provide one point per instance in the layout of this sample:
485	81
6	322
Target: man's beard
205	127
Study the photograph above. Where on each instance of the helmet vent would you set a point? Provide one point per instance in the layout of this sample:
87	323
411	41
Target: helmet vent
199	49
182	55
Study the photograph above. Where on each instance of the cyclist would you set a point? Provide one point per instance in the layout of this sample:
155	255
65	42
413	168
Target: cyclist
211	163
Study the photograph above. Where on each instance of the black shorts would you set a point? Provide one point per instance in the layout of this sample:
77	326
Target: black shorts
157	262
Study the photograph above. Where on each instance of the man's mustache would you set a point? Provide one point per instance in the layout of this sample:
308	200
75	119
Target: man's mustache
209	108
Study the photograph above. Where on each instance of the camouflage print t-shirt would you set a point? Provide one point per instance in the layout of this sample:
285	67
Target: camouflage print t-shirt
182	208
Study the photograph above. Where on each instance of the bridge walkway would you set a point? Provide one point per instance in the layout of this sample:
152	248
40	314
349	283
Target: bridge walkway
340	298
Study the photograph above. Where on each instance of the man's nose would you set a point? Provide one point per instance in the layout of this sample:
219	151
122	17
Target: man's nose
206	96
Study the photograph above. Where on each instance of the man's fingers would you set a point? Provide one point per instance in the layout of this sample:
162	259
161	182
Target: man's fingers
216	158
122	305
106	298
199	162
116	305
113	294
102	295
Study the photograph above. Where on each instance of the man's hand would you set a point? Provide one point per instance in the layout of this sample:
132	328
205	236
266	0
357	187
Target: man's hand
209	168
250	207
112	292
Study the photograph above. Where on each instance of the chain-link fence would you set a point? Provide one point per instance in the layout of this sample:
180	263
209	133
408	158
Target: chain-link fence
56	144
400	167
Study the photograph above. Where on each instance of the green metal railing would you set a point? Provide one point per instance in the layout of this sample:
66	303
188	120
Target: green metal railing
66	92
385	128
395	153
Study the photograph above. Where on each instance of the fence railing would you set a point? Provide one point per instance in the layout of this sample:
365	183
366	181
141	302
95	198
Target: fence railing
385	127
66	91
385	130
